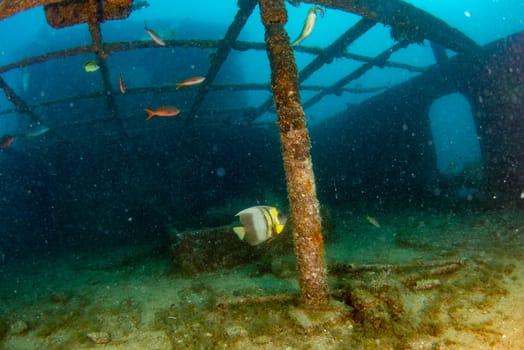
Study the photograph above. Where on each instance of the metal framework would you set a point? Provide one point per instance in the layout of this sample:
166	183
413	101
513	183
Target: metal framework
412	26
408	25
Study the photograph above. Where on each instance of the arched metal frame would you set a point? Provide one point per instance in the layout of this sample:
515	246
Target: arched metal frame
413	25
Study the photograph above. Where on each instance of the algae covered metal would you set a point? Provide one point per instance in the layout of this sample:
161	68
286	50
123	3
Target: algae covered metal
296	145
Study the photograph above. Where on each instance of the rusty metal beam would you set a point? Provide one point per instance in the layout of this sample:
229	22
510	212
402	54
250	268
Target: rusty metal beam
113	9
72	12
336	49
389	64
333	89
246	7
188	43
217	87
222	118
98	47
298	166
407	22
26	62
9	8
21	106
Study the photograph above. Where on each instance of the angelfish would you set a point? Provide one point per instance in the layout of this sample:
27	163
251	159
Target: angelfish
309	25
259	224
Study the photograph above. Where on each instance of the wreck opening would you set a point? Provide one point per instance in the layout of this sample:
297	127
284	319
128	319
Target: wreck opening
454	134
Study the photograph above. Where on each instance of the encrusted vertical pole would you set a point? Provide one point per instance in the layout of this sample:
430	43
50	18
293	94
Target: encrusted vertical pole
309	245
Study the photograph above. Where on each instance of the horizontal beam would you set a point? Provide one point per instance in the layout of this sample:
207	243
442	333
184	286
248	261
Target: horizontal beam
189	43
21	106
172	88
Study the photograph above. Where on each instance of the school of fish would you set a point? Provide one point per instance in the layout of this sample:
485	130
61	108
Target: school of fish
257	224
171	111
92	66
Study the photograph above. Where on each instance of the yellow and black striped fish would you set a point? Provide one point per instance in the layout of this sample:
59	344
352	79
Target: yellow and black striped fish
259	224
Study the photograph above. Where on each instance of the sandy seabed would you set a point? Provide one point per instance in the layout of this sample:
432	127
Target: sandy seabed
423	280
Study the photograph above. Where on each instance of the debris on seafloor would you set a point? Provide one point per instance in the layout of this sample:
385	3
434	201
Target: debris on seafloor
18	327
99	337
218	248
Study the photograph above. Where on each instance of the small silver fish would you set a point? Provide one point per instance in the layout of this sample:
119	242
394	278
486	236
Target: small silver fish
37	131
309	25
373	221
154	36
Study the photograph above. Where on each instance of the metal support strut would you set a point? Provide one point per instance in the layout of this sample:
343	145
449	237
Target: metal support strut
307	235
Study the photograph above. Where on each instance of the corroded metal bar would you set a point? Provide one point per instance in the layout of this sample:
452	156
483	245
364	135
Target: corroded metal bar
246	7
26	62
247	112
407	22
101	55
298	166
390	64
114	9
10	7
69	13
20	105
187	43
355	74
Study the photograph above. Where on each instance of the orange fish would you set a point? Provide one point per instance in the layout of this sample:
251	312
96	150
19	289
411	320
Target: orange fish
162	111
121	84
373	221
190	81
6	141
